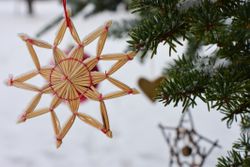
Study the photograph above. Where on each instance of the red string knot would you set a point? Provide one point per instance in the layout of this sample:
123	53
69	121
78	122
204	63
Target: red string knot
10	81
22	118
129	58
58	139
55	94
64	78
106	74
80	45
130	91
81	96
104	130
54	47
50	85
39	71
100	97
106	28
90	81
29	40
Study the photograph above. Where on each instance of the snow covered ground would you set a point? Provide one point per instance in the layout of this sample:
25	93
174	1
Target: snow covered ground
137	141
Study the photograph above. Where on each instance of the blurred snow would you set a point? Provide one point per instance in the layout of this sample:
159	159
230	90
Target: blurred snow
136	142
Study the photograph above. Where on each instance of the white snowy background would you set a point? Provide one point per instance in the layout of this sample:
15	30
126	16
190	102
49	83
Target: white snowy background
137	140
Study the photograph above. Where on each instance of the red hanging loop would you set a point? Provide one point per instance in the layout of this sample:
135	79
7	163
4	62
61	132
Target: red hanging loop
68	22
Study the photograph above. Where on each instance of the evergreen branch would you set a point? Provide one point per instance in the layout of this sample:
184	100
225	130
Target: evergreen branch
223	86
239	156
183	83
156	29
245	123
220	88
146	5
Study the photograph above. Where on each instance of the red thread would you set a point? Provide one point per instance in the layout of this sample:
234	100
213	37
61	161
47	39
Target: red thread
106	74
100	97
29	41
106	27
64	78
130	91
104	130
58	139
91	81
80	45
10	81
129	58
54	47
23	117
81	95
68	21
90	77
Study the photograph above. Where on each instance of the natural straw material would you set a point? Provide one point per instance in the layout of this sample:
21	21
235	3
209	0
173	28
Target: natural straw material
72	78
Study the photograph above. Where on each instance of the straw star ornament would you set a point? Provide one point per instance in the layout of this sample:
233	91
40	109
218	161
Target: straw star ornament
72	78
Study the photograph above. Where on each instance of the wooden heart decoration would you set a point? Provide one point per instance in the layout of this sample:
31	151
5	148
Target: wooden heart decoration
149	87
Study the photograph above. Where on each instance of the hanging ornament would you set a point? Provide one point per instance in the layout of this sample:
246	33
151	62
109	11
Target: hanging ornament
149	88
72	77
185	145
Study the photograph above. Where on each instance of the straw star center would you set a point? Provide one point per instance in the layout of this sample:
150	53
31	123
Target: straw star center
67	75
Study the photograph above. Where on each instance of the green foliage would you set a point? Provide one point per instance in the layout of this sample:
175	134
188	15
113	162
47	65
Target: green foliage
245	123
239	156
221	77
224	87
157	25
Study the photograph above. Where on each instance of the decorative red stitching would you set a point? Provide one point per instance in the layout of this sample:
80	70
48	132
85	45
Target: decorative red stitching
130	91
100	97
106	74
10	80
58	139
80	45
90	77
23	117
106	28
104	130
129	58
29	41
